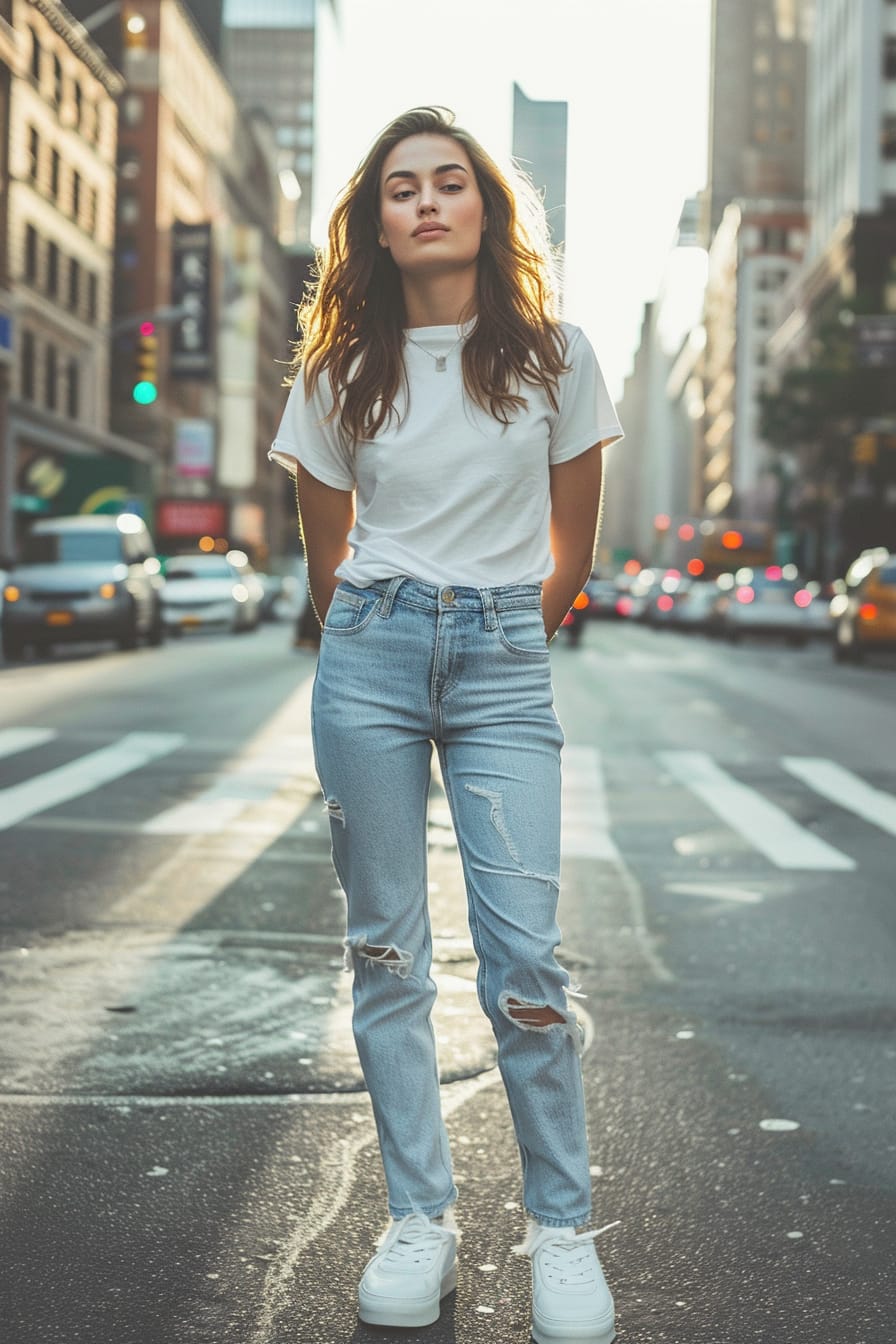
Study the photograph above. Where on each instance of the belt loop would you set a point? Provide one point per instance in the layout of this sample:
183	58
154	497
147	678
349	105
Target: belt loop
488	608
385	608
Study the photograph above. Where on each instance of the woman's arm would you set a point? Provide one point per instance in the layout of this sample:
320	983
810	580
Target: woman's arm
325	517
575	508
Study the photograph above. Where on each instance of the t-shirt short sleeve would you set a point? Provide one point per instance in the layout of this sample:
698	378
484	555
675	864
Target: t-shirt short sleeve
307	436
586	413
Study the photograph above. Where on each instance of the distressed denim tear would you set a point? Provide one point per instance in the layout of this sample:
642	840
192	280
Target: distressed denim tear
394	959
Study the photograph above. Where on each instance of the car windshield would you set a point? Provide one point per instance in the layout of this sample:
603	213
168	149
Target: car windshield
887	575
71	548
211	567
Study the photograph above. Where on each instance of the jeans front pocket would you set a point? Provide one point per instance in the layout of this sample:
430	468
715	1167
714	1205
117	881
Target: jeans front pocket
521	630
350	612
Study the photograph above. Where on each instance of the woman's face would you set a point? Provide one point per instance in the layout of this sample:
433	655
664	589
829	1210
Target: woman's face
431	210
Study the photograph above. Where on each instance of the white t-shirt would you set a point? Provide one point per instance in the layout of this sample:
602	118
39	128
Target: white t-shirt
445	493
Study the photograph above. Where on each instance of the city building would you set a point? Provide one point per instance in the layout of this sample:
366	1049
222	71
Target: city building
754	252
655	471
837	319
58	453
757	104
200	283
539	147
268	58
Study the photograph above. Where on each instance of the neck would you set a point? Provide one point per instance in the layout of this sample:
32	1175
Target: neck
439	301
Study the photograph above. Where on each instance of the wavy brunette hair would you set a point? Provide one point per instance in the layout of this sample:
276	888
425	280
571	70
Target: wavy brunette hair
352	317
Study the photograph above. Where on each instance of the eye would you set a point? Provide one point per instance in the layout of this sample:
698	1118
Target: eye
403	194
453	186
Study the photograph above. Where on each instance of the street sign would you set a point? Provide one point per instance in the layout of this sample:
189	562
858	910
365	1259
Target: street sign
191	336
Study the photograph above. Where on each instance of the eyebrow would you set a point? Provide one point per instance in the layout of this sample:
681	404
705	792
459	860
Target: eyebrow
443	168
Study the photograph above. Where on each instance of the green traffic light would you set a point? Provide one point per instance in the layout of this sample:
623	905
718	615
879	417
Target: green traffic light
144	393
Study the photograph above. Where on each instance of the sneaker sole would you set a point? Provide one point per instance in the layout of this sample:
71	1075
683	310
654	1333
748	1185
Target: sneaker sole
577	1335
405	1314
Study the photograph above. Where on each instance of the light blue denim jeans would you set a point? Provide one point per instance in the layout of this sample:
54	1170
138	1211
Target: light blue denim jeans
405	665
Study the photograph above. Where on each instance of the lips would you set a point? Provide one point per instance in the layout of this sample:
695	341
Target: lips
428	228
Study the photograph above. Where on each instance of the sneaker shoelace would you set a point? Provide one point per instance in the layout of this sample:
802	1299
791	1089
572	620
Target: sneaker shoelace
413	1241
566	1255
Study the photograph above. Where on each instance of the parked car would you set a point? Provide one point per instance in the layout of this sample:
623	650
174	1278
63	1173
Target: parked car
772	601
864	614
90	577
211	592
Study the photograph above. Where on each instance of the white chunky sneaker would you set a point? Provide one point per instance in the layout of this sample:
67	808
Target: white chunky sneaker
571	1303
414	1268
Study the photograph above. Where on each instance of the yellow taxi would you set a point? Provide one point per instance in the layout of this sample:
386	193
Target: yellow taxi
864	612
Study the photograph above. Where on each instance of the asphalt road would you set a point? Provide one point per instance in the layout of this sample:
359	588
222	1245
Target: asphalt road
186	1153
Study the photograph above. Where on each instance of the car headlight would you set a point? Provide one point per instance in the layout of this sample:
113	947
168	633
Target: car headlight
241	592
11	593
108	590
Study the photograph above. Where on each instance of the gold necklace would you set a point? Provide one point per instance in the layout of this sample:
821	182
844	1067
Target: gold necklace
441	360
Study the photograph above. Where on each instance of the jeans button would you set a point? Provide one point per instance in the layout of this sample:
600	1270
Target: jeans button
448	595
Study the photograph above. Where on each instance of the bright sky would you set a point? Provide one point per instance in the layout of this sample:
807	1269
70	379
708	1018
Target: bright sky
635	74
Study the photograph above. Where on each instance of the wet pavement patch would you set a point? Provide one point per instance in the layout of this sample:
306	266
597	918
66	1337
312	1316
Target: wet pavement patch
145	1013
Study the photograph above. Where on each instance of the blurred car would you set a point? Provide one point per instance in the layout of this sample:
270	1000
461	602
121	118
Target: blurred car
634	604
272	592
692	604
90	577
772	601
821	622
603	597
864	614
211	592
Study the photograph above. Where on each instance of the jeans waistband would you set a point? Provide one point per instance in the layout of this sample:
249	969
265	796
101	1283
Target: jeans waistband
445	597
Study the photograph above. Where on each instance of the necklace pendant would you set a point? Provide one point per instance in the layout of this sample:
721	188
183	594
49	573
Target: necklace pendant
441	363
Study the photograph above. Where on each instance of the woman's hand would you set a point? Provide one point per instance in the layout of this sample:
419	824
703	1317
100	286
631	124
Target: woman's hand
326	517
575	510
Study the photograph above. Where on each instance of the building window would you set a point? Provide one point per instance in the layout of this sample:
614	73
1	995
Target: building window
74	285
57	79
890	58
50	377
78	95
27	365
31	253
35	57
92	209
91	296
34	153
52	270
761	63
72	389
55	164
76	196
762	133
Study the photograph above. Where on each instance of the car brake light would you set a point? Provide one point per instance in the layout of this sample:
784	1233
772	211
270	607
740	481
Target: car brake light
624	606
581	602
868	611
803	598
744	595
665	603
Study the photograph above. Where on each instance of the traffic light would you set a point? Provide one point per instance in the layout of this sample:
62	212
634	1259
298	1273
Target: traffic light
146	388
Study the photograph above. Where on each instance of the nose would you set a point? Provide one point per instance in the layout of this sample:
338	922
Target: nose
427	202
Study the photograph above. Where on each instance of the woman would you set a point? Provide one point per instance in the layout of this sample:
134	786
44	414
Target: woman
446	433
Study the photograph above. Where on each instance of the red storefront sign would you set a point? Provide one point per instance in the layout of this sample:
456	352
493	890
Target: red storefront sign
191	517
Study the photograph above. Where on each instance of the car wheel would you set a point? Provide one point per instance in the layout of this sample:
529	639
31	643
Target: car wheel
13	648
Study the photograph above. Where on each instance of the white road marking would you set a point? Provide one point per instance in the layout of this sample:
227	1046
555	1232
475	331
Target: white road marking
251	779
845	789
13	740
585	831
765	826
81	776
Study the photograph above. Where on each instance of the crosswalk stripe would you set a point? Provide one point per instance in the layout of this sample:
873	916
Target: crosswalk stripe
765	826
585	829
845	789
88	772
13	740
252	779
